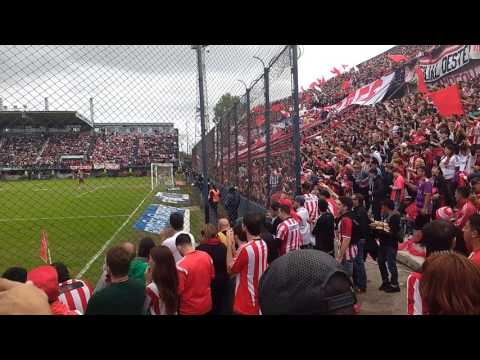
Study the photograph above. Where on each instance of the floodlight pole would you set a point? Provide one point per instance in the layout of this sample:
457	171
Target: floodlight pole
202	125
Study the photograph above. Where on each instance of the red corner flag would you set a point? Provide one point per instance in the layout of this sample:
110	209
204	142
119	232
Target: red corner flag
448	101
421	81
335	71
44	251
398	58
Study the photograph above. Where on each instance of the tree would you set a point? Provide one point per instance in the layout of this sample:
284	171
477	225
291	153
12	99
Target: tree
223	106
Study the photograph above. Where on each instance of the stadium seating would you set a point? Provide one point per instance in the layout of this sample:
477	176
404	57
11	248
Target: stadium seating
45	151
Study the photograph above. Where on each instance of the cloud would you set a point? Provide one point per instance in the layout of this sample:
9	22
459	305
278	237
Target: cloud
129	83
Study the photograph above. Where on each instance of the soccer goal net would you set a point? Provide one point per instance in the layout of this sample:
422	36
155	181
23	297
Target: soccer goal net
162	174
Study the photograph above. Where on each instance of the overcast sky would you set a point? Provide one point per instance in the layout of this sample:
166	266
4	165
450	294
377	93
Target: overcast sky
153	83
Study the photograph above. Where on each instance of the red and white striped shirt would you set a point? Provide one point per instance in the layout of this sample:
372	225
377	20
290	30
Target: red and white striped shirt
288	232
75	294
311	204
415	304
154	305
344	233
249	265
332	206
475	134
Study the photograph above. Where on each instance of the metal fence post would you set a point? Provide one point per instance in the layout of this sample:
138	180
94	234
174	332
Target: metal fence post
296	119
249	154
267	133
235	124
217	144
222	139
202	125
229	155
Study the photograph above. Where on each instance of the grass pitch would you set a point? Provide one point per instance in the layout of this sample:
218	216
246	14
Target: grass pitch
79	220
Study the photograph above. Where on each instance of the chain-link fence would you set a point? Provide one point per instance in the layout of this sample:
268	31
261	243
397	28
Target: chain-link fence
255	137
81	127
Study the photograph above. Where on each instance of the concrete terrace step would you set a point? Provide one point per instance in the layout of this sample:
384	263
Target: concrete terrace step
409	260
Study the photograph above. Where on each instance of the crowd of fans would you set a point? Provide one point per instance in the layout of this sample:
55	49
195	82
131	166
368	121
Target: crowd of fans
334	90
46	151
20	151
117	148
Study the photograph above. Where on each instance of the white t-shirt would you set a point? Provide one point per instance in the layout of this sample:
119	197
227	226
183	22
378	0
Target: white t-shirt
466	162
170	243
304	225
448	170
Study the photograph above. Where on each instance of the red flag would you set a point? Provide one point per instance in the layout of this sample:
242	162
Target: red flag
259	120
448	101
335	71
277	108
344	66
312	86
346	85
398	58
421	81
44	246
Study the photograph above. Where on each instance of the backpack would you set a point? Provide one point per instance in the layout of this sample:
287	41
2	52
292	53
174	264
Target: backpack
356	228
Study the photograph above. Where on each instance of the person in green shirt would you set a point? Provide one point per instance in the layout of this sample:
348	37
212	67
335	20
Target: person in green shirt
139	264
124	296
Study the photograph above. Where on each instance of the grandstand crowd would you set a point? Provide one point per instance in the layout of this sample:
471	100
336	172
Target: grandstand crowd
45	151
375	180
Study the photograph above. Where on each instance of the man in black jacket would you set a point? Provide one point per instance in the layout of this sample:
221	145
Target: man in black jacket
376	192
387	252
324	230
232	202
359	272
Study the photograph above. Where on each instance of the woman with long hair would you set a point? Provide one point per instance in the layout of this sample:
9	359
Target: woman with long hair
450	285
162	283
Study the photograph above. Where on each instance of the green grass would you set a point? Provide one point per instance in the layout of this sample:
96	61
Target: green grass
79	220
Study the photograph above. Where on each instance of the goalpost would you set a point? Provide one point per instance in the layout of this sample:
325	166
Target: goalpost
161	173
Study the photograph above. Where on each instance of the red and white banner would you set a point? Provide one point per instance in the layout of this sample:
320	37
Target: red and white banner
80	167
112	166
367	95
97	166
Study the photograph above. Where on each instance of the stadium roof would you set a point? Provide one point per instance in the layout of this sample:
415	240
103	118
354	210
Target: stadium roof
12	119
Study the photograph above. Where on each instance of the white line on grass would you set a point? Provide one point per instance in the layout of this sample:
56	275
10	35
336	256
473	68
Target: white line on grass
63	218
102	249
88	192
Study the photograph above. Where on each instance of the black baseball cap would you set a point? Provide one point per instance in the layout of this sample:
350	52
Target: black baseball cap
305	282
